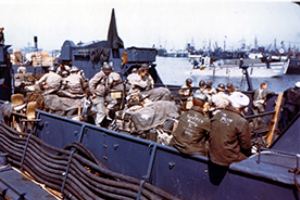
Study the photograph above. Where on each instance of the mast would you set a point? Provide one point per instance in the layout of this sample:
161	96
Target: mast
113	38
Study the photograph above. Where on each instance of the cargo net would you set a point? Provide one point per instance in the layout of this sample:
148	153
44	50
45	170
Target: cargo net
73	172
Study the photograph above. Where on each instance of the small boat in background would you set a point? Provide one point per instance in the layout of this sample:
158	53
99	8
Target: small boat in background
231	68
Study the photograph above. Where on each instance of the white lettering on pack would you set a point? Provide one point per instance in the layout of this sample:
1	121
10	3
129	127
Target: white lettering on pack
225	119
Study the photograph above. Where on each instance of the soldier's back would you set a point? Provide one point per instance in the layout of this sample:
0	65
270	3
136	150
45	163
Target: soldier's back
191	134
226	127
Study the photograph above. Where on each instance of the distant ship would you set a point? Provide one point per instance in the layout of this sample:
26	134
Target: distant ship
230	68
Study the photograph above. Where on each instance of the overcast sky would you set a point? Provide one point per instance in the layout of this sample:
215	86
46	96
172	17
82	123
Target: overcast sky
171	23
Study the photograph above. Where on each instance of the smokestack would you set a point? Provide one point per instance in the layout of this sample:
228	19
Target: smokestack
35	40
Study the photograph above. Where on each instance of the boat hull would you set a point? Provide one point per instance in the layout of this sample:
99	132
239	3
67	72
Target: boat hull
183	176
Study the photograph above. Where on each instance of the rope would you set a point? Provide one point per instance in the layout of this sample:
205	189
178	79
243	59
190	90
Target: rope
71	170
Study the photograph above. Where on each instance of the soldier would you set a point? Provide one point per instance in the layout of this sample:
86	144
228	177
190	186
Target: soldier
221	88
291	105
191	134
260	96
139	81
115	81
185	92
135	81
202	86
2	40
230	88
132	76
63	70
145	75
220	99
116	87
50	82
229	139
20	79
74	84
209	90
98	86
186	88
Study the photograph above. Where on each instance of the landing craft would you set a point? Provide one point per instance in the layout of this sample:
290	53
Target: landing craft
64	154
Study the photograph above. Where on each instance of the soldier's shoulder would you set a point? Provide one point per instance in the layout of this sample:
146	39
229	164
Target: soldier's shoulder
98	74
243	120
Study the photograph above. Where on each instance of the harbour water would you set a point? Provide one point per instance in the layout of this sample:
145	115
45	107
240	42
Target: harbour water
174	71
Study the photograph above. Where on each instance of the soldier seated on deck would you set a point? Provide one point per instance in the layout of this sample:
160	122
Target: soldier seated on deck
202	87
220	99
146	76
291	105
73	85
141	80
229	139
143	83
230	88
63	70
20	80
191	134
186	88
185	92
260	97
50	82
209	90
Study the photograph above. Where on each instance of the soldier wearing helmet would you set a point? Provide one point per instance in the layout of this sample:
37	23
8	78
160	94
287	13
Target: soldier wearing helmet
230	88
185	92
191	134
202	86
63	70
220	99
99	88
50	82
209	89
116	91
73	84
186	89
229	139
145	75
140	80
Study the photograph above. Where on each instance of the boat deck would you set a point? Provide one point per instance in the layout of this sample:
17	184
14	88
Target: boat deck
14	185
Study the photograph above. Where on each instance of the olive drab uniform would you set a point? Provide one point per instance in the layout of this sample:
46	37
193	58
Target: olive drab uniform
229	139
74	84
185	90
138	84
150	82
185	93
63	71
191	134
116	87
98	86
51	82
